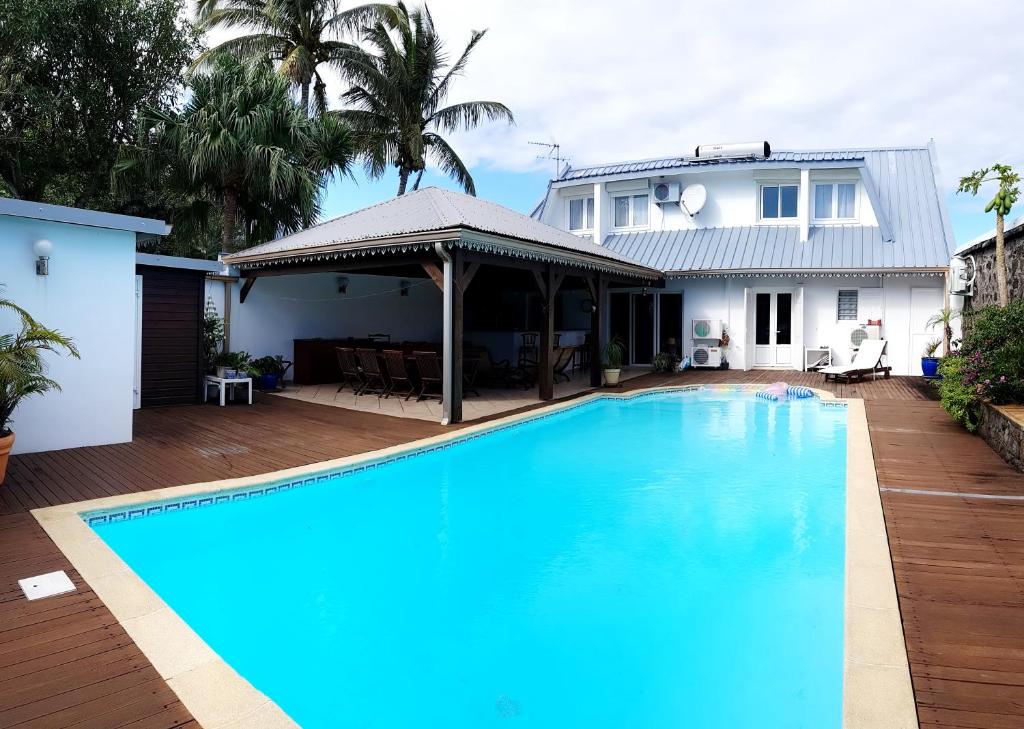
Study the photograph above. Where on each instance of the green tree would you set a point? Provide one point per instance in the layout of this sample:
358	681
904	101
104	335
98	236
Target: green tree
242	145
1006	195
74	75
301	35
397	91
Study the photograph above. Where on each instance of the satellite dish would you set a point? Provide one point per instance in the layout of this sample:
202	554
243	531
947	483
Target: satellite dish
693	198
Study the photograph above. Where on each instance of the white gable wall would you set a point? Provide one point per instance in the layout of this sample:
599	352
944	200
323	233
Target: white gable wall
732	197
89	296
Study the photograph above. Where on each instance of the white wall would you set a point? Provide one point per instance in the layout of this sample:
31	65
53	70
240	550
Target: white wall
89	296
280	309
732	198
722	298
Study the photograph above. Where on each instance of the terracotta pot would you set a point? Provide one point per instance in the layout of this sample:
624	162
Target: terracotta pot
611	377
6	443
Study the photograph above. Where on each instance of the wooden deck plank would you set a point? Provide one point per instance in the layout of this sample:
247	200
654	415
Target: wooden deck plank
958	561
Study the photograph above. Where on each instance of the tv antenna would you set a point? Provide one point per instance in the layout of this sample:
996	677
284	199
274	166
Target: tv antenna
554	152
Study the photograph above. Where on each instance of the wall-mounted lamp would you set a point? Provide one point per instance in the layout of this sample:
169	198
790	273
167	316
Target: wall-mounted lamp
342	284
42	248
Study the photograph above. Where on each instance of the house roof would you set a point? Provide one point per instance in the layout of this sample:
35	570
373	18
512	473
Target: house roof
79	216
901	181
420	218
768	248
682	162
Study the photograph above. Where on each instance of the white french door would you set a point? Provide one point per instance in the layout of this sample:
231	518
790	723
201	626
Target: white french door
773	328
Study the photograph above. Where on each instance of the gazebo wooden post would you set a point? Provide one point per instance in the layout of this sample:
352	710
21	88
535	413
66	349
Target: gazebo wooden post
451	383
599	293
548	283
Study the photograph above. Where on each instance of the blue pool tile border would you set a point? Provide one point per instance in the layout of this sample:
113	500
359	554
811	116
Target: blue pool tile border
229	495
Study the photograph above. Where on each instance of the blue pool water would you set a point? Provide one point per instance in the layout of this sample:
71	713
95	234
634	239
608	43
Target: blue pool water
669	561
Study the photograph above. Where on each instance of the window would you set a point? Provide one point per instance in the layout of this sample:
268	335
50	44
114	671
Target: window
581	213
630	211
835	201
847	308
778	201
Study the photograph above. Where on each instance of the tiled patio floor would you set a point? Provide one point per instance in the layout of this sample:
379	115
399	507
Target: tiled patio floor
491	401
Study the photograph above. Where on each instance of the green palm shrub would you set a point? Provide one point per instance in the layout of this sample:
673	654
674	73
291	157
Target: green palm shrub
22	368
242	144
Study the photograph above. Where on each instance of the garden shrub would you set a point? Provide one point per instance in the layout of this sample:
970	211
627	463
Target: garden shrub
989	365
960	400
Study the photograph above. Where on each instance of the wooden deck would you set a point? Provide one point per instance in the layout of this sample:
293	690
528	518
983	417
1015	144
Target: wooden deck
959	560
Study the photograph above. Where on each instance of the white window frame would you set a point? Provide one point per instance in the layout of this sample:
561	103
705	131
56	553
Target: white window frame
630	195
588	222
856	316
761	184
835	201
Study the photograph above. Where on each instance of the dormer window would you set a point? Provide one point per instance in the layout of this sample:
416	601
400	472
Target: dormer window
631	211
779	202
581	213
835	201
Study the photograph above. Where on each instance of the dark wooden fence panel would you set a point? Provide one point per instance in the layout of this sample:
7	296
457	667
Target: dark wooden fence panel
172	327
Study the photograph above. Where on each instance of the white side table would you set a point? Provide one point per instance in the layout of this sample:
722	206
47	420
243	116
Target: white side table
223	383
817	357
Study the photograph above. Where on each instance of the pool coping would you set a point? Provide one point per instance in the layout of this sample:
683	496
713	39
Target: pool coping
877	690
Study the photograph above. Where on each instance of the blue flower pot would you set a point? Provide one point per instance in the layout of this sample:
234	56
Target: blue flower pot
930	366
268	382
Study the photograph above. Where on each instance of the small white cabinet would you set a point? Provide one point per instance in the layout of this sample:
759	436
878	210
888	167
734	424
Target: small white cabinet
817	357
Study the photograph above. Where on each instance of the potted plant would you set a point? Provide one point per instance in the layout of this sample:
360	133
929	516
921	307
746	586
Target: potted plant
271	371
23	371
611	361
929	362
234	364
665	362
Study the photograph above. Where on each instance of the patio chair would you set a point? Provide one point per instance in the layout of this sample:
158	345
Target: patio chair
529	350
398	373
489	371
564	357
373	378
867	361
470	369
350	374
429	366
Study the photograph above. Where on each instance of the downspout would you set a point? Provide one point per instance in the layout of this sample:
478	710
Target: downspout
446	347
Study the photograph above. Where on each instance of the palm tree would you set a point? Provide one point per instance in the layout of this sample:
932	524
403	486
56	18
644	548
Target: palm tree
394	103
1006	195
944	318
301	35
243	144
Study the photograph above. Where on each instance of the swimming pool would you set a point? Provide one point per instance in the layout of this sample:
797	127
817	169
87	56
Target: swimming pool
670	560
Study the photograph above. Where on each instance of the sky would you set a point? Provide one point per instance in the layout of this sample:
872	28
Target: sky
617	81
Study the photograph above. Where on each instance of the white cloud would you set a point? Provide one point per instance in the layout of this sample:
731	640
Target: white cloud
647	78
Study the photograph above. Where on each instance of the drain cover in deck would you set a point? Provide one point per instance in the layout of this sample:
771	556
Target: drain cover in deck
48	585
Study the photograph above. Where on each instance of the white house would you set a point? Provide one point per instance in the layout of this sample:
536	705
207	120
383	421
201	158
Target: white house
787	251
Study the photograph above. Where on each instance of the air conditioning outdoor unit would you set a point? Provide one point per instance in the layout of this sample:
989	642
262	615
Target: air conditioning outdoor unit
859	334
666	192
704	356
707	329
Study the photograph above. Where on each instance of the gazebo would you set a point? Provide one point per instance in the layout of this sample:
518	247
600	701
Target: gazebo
455	239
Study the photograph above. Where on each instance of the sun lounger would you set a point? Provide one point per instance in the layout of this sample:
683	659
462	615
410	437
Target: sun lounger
867	361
